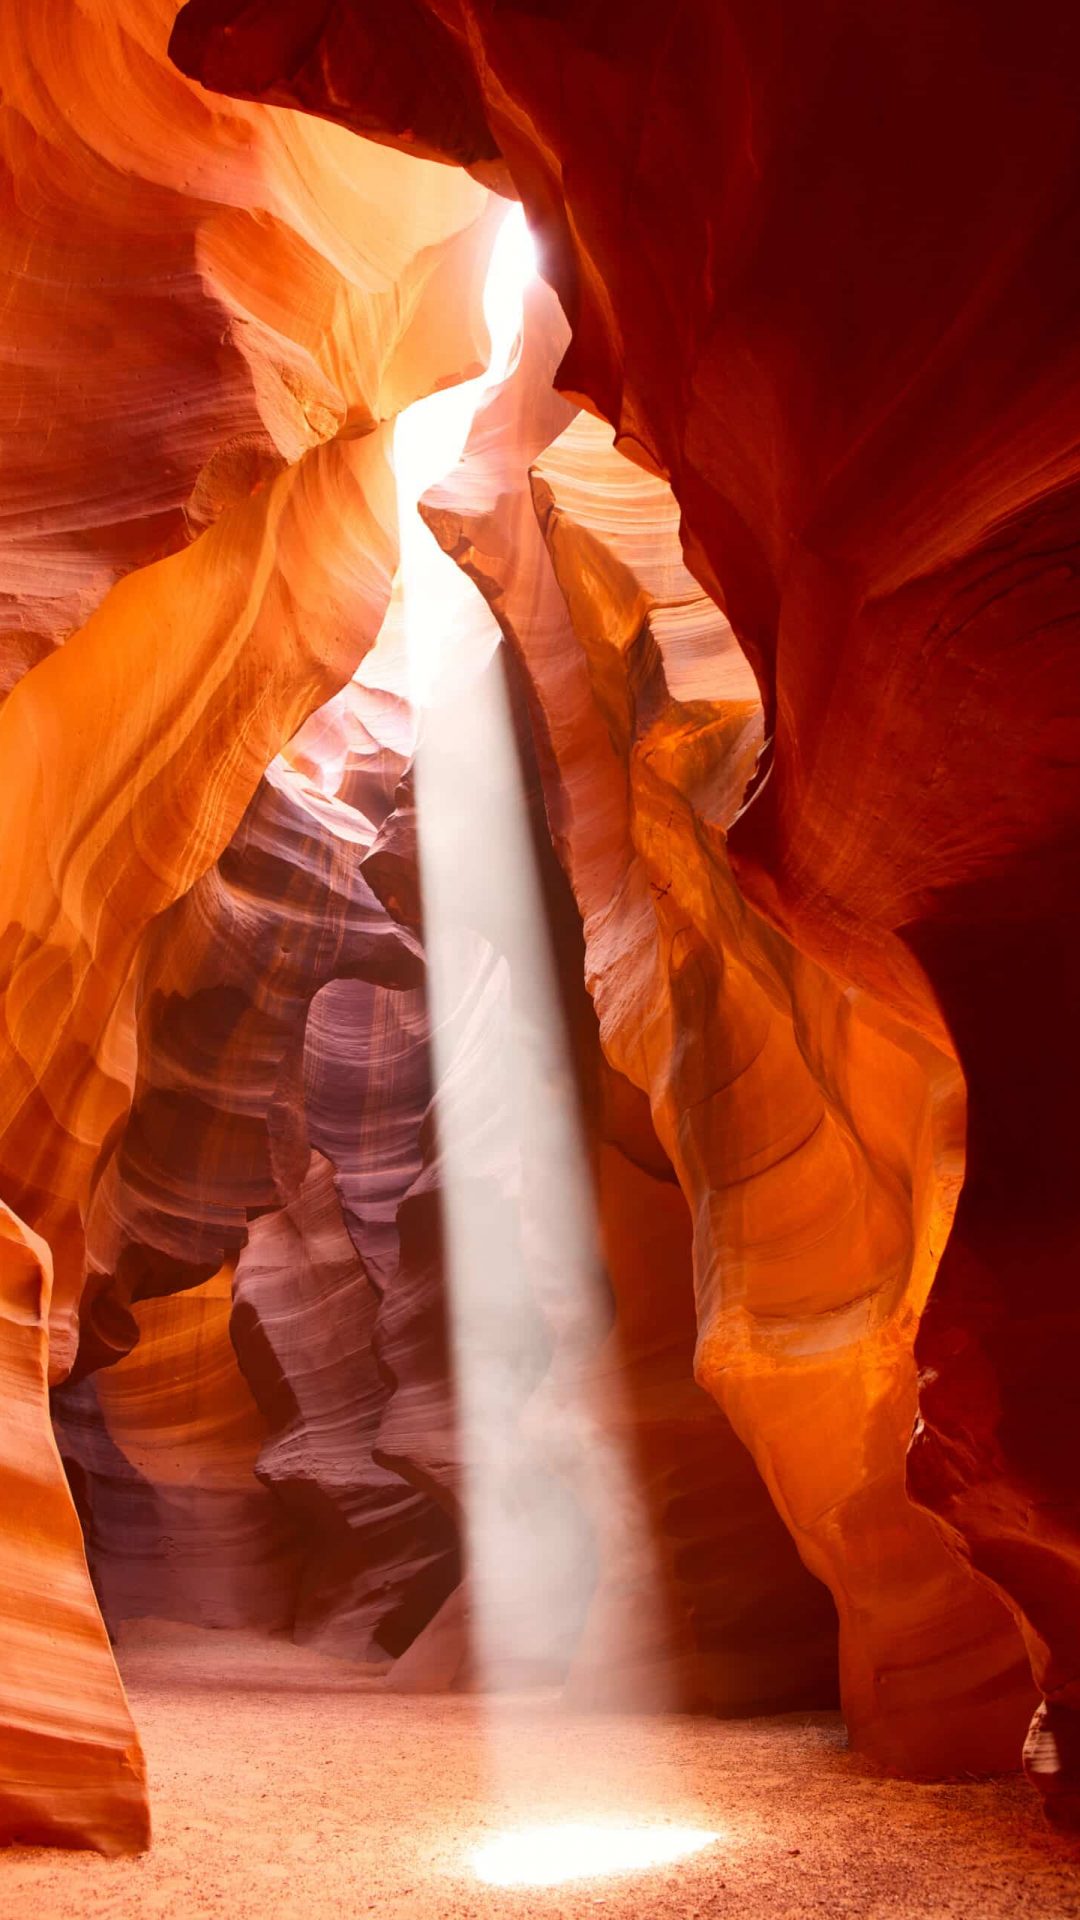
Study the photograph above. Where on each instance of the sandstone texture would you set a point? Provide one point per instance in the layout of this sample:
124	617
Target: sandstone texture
186	444
816	1140
71	1767
852	352
764	551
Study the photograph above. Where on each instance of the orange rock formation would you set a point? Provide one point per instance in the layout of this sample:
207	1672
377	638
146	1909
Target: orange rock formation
161	1450
817	1141
190	412
71	1768
853	350
788	615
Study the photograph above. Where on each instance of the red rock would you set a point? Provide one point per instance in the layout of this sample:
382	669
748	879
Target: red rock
225	983
739	1626
813	856
163	1447
649	720
199	507
71	1768
853	351
379	1557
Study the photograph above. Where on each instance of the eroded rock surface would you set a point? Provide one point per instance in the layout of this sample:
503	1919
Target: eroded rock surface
814	856
816	1140
379	1555
201	509
865	400
161	1449
71	1767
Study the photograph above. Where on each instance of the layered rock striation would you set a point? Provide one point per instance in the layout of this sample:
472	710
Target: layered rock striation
71	1767
161	1450
853	352
201	510
816	1139
786	617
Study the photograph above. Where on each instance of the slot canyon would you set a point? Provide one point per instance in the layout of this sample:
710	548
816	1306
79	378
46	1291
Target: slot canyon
539	904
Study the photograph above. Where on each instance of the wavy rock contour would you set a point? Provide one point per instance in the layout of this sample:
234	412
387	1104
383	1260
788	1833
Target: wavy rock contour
865	402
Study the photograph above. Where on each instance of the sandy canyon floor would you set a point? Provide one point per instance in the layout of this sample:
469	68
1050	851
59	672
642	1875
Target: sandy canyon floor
283	1790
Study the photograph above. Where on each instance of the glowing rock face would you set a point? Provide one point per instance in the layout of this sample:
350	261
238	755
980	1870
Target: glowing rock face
225	984
551	1856
723	1562
794	1162
866	403
71	1768
231	642
211	317
279	1012
314	1336
161	1450
233	286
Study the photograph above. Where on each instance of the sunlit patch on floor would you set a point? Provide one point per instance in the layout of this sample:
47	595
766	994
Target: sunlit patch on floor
548	1856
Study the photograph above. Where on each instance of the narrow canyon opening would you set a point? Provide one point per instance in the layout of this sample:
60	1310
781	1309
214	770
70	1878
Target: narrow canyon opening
535	1318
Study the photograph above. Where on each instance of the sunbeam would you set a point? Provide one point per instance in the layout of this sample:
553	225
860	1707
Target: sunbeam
529	1303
